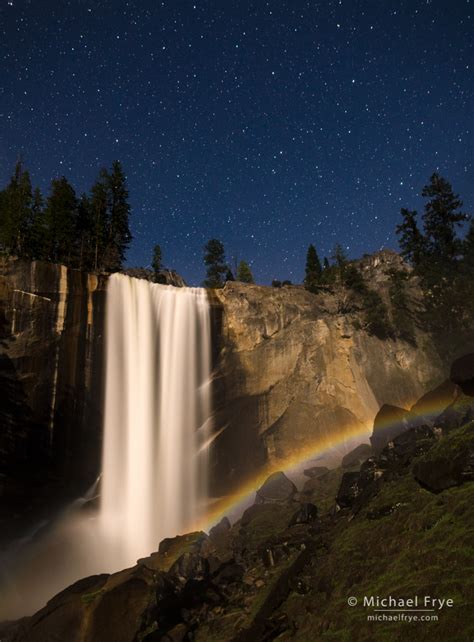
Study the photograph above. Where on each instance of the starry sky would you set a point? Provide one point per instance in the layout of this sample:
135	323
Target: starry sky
269	125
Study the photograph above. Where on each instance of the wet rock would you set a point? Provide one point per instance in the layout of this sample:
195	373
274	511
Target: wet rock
192	541
457	414
315	471
357	456
399	453
390	422
220	529
277	488
228	573
462	373
435	401
190	566
349	490
304	515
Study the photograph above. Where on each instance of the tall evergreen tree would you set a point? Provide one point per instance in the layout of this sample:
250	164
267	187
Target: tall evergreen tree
84	231
214	259
313	269
37	231
156	262
244	273
441	217
99	219
15	212
118	232
412	242
60	220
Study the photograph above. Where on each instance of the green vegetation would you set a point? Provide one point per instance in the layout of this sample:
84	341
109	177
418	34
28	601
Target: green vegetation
244	273
90	233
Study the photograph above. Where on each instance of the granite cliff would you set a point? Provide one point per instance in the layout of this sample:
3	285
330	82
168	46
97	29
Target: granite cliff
297	367
291	368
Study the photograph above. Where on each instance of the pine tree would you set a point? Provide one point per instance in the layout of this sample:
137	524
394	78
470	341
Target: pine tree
244	273
229	275
118	230
214	259
326	265
84	231
15	212
99	220
339	256
412	242
37	231
313	269
60	221
441	217
156	261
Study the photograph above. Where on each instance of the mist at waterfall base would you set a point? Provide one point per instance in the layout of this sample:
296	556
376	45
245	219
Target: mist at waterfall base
157	429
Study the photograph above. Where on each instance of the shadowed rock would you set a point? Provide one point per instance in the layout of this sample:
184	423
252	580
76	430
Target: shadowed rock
357	456
462	373
390	422
304	515
277	488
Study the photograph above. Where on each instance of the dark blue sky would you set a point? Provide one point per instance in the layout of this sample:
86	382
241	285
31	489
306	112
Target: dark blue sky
269	125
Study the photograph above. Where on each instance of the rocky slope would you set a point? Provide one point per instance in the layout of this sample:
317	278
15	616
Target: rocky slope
297	565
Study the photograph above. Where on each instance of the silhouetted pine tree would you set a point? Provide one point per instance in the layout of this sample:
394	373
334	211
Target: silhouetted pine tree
214	259
37	230
412	242
84	232
99	214
118	234
244	273
60	222
15	212
313	269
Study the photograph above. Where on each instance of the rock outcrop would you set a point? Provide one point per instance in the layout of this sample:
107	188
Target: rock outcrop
51	377
298	369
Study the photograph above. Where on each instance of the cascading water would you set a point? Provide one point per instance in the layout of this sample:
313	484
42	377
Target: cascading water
157	414
155	451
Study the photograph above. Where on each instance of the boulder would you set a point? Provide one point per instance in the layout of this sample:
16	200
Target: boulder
357	456
315	471
304	515
190	566
220	529
436	400
462	373
349	490
390	422
277	488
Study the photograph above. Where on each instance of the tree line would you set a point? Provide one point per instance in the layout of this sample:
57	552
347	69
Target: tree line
88	232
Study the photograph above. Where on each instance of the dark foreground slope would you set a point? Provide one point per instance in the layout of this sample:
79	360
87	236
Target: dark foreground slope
400	525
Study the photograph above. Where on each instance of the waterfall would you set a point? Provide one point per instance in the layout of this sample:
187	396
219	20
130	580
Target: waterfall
155	453
157	414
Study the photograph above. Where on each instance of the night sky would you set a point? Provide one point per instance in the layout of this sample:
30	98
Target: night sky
269	125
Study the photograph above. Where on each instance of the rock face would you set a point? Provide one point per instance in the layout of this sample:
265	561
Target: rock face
295	370
51	370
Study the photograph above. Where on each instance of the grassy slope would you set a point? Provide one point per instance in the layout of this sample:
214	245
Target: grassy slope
424	547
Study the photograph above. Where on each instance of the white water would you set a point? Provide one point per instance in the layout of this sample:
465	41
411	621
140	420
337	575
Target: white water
157	414
155	451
